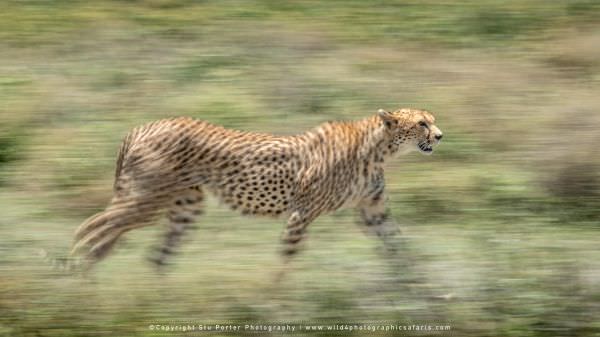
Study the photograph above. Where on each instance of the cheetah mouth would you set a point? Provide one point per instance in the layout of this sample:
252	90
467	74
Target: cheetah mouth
425	147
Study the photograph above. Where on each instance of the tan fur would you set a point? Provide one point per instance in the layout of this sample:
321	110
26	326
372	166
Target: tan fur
168	164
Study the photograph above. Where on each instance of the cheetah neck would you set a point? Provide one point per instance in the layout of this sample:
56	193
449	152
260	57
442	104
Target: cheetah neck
375	139
359	140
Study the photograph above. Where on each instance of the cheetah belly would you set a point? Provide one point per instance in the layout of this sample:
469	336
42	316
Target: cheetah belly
256	189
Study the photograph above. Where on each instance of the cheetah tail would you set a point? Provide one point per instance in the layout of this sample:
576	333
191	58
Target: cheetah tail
91	223
96	227
63	264
72	263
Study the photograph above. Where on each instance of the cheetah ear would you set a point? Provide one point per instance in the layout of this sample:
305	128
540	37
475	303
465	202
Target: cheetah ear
384	114
387	117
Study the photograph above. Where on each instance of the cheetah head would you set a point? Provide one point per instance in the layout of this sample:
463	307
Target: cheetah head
409	130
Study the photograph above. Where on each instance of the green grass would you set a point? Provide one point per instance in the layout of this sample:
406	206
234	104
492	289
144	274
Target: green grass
503	216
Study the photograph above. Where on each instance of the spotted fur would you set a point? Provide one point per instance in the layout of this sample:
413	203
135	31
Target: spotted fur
169	164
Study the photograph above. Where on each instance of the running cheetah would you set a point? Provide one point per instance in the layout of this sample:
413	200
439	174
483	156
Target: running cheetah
169	164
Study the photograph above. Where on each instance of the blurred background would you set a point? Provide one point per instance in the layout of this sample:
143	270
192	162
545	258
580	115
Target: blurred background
503	216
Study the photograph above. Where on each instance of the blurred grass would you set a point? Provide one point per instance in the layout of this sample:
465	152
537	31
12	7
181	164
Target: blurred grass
504	215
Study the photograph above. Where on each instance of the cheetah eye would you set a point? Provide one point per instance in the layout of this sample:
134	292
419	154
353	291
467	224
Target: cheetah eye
423	124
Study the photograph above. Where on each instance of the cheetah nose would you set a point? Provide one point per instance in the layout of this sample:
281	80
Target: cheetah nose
439	137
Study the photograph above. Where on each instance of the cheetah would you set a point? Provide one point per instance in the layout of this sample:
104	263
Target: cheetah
167	166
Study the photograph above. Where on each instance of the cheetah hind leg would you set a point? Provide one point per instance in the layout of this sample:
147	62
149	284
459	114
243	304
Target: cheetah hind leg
185	208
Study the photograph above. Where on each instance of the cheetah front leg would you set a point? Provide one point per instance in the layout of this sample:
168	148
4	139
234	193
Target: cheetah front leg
376	218
293	235
292	238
